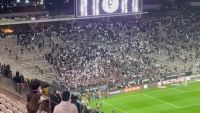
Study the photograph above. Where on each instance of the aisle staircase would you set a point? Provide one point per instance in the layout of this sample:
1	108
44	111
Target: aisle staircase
28	64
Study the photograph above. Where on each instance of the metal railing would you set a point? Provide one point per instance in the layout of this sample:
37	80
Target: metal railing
11	86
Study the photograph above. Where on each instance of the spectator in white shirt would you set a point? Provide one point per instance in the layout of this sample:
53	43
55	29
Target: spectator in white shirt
65	106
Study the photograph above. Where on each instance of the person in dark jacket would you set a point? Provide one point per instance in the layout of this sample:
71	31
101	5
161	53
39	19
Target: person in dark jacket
74	100
44	107
55	99
18	81
17	78
22	78
34	88
7	71
33	104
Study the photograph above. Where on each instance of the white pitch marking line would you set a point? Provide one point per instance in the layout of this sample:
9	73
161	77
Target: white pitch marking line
161	100
190	106
177	88
170	88
123	97
114	107
136	94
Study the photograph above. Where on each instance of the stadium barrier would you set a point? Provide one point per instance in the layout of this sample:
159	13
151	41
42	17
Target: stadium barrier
18	89
115	92
185	78
125	90
192	78
9	85
131	89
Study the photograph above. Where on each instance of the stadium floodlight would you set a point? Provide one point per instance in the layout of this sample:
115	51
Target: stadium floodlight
18	1
27	1
41	2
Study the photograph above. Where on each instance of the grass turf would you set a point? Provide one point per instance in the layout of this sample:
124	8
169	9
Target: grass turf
176	99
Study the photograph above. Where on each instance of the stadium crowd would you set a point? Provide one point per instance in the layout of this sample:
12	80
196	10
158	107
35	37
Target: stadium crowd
121	50
42	99
117	50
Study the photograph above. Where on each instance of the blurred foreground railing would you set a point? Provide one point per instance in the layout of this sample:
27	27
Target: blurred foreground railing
11	86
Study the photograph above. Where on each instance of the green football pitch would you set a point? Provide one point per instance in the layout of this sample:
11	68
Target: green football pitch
173	99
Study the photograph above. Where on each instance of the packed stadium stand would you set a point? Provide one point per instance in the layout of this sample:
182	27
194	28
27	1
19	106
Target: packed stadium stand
46	65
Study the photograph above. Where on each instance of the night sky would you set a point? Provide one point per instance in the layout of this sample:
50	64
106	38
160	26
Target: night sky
11	6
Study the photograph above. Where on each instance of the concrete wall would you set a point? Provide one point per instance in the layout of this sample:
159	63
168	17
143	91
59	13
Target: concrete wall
194	3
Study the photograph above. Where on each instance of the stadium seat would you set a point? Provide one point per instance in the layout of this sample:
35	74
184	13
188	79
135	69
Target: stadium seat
2	101
21	109
8	100
2	96
8	106
20	104
15	110
3	108
8	111
14	104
